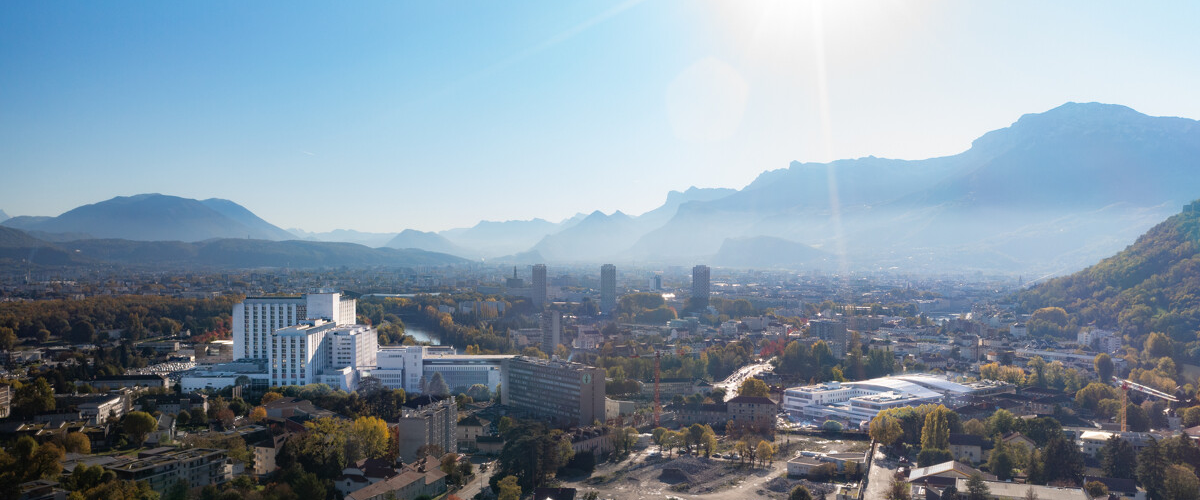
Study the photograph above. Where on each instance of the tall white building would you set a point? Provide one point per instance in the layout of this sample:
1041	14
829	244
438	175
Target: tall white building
318	351
299	354
255	318
354	346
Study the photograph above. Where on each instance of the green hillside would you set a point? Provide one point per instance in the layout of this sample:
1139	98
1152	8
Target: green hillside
1151	286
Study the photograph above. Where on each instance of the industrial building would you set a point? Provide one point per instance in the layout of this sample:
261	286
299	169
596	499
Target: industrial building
856	403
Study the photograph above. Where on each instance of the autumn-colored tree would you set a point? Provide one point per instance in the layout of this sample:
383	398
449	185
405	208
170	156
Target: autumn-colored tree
367	437
885	430
77	442
754	387
258	414
509	489
271	397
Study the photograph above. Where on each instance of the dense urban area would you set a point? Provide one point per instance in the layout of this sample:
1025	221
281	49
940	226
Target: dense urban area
478	381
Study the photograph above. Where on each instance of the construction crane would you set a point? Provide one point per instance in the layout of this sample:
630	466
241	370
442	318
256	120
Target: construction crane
1129	385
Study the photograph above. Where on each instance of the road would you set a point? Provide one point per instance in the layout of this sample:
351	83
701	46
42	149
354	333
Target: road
882	470
480	480
734	382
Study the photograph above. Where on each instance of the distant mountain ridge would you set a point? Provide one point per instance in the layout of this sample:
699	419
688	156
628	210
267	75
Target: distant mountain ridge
373	240
1051	193
431	242
1046	195
230	253
156	217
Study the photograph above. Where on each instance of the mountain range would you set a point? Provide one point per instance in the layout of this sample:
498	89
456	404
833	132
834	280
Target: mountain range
156	217
1047	195
16	245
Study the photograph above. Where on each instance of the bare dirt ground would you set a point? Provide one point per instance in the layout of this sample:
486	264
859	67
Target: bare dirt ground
696	478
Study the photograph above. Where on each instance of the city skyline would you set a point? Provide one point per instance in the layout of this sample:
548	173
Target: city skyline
476	106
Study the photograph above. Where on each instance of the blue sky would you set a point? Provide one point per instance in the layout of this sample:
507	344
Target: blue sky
380	116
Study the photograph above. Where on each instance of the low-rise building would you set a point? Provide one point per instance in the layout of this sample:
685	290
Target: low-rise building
1001	490
413	482
265	453
147	381
752	409
968	447
172	403
469	429
161	468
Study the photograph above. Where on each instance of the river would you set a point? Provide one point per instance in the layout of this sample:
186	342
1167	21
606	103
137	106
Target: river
420	335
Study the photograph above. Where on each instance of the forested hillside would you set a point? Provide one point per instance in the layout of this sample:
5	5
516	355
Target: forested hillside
1151	286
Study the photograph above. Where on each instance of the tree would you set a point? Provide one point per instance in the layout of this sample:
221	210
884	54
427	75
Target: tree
932	457
1118	459
479	392
1104	367
885	430
83	333
258	414
1151	469
449	465
1001	422
709	442
1001	462
976	488
1180	483
754	387
800	493
765	452
672	440
437	385
695	434
271	397
77	442
1136	418
1089	397
975	427
1191	416
658	437
743	450
509	489
1157	345
935	435
1096	489
898	489
832	426
368	438
226	417
323	447
624	439
44	462
1063	459
33	398
139	424
1030	494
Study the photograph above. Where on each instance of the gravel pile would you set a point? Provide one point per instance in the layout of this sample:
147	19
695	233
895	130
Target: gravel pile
696	470
784	485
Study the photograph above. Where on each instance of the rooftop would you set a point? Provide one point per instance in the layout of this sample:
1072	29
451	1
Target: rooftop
1015	490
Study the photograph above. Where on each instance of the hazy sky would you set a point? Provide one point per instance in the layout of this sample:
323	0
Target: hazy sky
429	115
